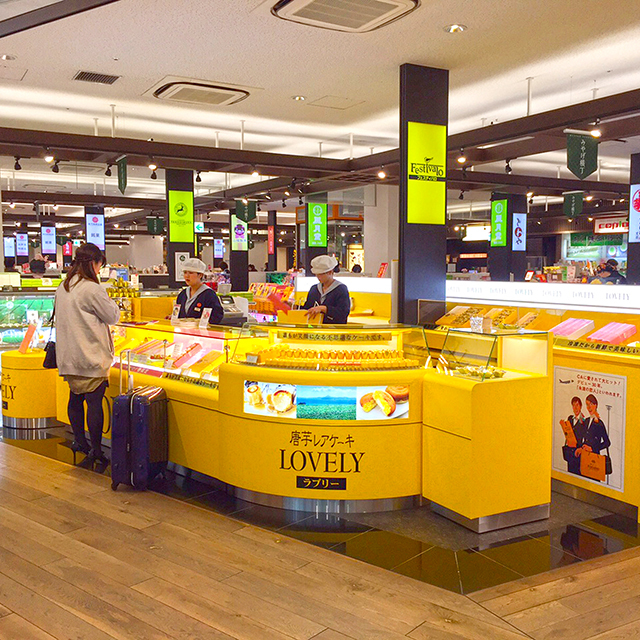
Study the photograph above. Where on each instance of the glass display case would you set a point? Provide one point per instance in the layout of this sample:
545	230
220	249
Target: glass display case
493	355
181	351
17	310
333	347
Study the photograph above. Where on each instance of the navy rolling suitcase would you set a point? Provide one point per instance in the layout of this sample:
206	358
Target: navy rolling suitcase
139	434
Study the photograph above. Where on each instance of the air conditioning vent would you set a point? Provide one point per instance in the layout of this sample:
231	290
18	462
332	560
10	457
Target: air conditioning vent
354	16
200	93
97	78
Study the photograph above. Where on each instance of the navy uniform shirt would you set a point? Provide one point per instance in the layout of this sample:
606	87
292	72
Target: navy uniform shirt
206	298
336	300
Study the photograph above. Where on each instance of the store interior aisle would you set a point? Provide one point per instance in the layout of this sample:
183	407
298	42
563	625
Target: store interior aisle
80	561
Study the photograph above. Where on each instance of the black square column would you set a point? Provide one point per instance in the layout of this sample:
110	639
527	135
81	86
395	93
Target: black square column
633	247
424	114
180	219
272	239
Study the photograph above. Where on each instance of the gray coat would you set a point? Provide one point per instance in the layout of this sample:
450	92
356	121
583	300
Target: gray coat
83	341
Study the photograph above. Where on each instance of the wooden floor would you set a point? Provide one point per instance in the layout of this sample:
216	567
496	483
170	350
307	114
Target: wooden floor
80	562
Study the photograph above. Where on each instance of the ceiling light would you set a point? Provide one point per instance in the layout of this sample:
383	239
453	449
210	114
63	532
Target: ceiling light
570	219
255	173
299	98
343	234
154	175
49	157
456	228
198	178
283	232
462	158
152	164
455	28
17	166
268	195
461	196
507	167
539	222
589	198
596	133
12	205
116	225
55	207
8	57
284	204
529	194
382	174
56	168
300	201
530	200
245	201
590	219
108	171
258	207
287	193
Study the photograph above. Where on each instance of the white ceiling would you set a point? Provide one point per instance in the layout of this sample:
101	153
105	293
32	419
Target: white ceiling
569	47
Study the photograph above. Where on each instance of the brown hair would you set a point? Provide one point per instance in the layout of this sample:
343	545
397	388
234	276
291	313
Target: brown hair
576	399
592	399
82	266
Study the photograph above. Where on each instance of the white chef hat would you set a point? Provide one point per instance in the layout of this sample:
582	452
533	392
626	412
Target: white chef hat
194	265
323	264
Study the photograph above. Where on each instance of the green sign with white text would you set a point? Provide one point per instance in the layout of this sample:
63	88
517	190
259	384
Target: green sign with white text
596	240
573	203
499	223
582	155
181	216
317	225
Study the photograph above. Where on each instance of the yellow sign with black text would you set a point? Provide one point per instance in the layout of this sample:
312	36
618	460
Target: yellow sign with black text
426	173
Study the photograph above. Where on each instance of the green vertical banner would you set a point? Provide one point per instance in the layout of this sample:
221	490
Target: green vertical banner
122	173
246	212
181	216
499	223
582	155
317	225
573	203
155	225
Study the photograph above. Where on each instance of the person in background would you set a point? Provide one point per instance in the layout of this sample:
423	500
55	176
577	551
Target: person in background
356	269
38	265
251	268
329	296
610	273
10	265
197	296
224	267
84	349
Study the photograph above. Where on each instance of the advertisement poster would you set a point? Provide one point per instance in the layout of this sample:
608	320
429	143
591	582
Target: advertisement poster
589	422
180	257
95	229
239	235
181	216
519	236
22	244
426	173
218	248
634	213
9	247
499	223
317	225
48	241
308	402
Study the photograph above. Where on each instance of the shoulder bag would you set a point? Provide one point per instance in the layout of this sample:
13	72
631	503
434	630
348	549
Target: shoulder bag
50	360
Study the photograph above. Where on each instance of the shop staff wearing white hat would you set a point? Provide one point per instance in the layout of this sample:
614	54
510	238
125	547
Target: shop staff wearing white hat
329	296
197	296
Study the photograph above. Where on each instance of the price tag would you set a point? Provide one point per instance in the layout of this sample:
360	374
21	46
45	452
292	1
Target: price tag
204	319
175	313
134	278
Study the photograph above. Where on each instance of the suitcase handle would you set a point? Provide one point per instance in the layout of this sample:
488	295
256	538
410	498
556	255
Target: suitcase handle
129	379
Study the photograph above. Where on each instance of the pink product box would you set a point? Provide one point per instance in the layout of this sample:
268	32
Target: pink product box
613	333
573	328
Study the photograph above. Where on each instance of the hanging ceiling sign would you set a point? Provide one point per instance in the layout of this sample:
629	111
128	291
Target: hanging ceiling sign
519	234
48	240
611	225
317	225
95	229
499	223
573	203
582	155
22	244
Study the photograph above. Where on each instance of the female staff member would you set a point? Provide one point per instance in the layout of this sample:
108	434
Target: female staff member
84	348
196	296
596	437
578	425
329	296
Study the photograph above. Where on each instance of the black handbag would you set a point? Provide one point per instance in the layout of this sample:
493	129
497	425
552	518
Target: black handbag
50	360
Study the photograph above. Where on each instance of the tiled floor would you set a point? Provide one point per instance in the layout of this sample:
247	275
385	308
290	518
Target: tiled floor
423	545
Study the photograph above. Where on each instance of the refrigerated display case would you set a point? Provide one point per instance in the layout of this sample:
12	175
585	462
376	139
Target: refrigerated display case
17	310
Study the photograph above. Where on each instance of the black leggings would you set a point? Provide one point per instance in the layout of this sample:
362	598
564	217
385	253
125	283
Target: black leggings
95	417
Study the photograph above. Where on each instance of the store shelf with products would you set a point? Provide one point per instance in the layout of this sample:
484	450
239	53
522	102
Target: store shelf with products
18	309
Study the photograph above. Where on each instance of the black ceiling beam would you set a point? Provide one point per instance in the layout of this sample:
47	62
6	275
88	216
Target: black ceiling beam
47	14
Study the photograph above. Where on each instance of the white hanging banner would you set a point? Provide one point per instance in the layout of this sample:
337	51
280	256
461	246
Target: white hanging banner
519	235
95	229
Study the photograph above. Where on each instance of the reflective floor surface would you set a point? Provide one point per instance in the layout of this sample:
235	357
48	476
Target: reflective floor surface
415	542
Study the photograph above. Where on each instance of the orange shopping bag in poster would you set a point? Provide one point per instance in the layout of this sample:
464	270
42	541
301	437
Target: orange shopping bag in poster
568	433
593	465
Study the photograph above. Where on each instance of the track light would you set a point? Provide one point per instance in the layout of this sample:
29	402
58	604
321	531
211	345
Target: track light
462	158
245	201
596	133
55	168
152	165
154	175
108	171
12	205
300	201
507	167
287	193
529	194
255	173
55	207
268	196
17	166
48	156
461	196
284	204
198	178
589	198
456	228
530	200
382	173
570	219
258	207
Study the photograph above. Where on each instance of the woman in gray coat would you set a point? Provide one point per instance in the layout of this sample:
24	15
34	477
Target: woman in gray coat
84	348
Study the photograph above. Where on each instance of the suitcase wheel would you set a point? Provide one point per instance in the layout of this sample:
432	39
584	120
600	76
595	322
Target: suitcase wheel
114	486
